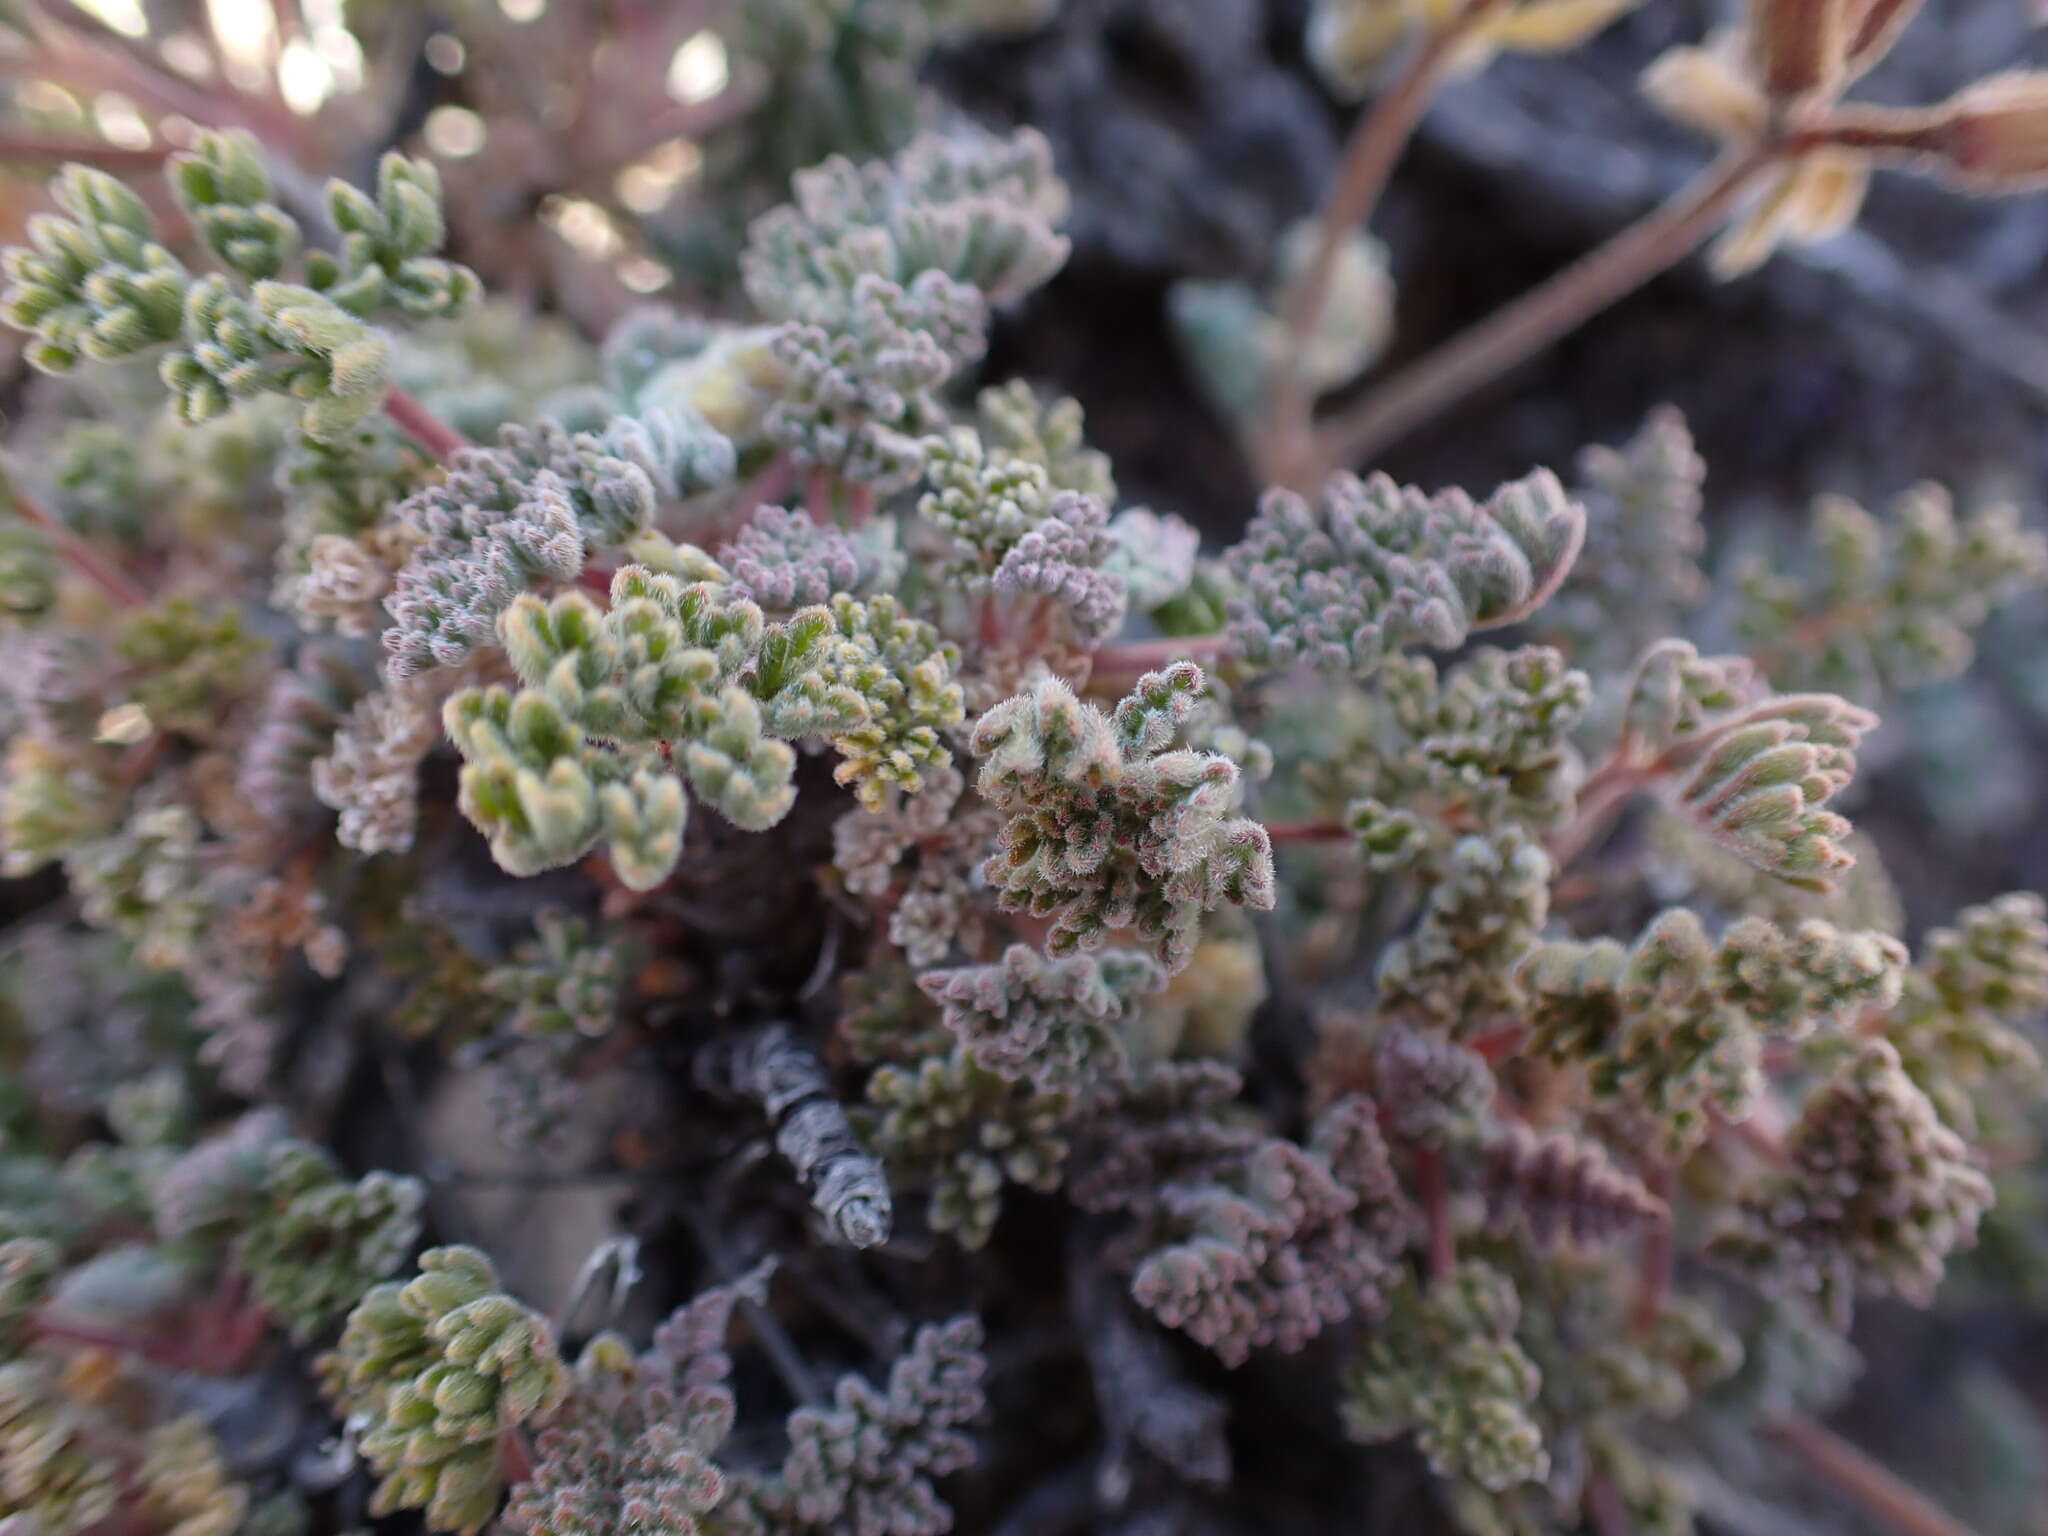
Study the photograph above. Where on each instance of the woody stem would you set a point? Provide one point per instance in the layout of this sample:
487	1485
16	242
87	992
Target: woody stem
1653	1274
1370	154
1279	832
422	425
1147	655
1890	1500
1434	1195
1514	334
78	554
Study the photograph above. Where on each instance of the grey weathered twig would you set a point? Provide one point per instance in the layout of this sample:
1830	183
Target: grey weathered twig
1145	1401
770	1067
620	1256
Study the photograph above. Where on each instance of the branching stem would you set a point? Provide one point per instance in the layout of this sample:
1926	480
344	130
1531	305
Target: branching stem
1605	791
1377	139
19	146
1517	332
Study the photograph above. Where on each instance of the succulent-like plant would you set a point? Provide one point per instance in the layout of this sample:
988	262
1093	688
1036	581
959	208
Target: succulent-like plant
1152	939
1110	824
437	1371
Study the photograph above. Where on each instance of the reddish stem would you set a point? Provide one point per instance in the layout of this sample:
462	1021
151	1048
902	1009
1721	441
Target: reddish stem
1888	1499
771	484
1514	334
78	554
232	1326
1570	890
1035	931
686	120
1434	1195
66	1330
1136	656
139	761
1370	154
515	1456
818	496
1604	793
1604	1508
988	621
1626	774
422	425
1813	632
61	147
1279	832
1498	1044
1653	1274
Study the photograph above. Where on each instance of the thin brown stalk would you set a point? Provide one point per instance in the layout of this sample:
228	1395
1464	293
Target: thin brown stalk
1377	140
1889	1500
19	147
422	425
1135	656
1279	832
1499	1043
1572	890
1602	795
1433	1194
685	120
515	1456
1517	332
118	1341
780	1349
78	554
1653	1272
